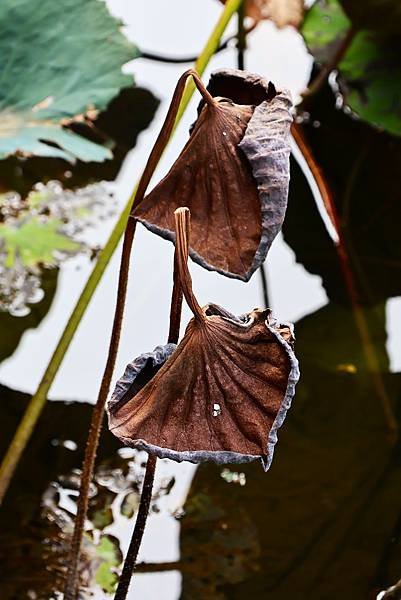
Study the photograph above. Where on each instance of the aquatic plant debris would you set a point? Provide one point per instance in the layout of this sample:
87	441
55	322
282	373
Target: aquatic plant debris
166	401
233	175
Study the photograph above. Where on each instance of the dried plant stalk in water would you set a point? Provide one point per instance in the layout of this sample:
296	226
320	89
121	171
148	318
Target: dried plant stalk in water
70	590
220	395
233	175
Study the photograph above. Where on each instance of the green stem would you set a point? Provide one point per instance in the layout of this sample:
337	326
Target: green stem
38	400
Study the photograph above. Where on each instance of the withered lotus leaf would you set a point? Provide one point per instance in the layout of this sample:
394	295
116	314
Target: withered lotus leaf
220	395
233	174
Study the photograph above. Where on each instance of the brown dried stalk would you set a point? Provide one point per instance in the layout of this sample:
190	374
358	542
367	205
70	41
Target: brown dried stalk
146	495
70	590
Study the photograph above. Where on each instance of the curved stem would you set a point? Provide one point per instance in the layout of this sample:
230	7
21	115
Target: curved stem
182	218
208	98
133	549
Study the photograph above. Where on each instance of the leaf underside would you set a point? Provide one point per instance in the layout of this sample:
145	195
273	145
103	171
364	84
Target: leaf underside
218	395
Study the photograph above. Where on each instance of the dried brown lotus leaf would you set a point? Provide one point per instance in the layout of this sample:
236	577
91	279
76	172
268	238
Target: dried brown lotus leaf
220	395
233	175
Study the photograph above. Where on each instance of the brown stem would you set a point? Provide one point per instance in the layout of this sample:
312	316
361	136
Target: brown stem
143	510
265	289
347	272
176	306
146	495
208	98
182	218
70	591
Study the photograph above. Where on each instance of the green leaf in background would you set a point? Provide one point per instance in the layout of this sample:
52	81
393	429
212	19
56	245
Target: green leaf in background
106	578
370	70
34	241
108	551
371	80
324	27
57	61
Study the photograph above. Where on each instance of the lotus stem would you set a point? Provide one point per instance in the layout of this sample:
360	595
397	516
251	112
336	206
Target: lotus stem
135	543
146	495
241	35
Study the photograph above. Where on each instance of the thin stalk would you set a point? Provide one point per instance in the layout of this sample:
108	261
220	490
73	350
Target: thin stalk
176	306
70	590
241	38
143	510
347	272
265	289
146	495
38	400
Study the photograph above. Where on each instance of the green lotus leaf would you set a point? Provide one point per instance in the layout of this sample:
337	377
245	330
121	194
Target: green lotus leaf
324	28
57	60
370	70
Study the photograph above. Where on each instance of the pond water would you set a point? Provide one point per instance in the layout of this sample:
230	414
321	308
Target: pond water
325	521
